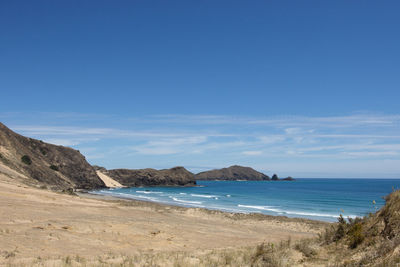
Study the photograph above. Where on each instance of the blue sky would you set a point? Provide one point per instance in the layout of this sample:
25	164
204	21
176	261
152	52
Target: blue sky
301	88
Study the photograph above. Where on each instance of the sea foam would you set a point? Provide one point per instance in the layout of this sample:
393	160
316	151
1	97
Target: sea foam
291	212
187	201
205	196
148	192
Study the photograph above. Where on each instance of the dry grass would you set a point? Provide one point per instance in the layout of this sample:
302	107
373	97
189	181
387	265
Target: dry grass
373	251
370	241
306	248
265	254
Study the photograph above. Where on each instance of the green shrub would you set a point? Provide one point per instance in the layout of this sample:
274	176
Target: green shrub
356	236
26	159
340	229
350	230
43	151
340	232
54	167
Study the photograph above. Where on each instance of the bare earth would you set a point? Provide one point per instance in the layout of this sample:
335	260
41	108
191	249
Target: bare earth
37	224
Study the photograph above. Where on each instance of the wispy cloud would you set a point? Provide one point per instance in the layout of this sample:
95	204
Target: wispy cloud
282	121
207	139
69	141
167	146
372	153
271	139
252	153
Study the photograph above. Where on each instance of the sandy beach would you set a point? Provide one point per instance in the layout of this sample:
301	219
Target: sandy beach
39	224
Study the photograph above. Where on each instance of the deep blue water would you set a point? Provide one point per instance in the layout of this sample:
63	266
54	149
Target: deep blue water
320	199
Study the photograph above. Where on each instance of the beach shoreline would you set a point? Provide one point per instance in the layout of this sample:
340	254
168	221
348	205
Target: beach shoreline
236	215
294	200
38	223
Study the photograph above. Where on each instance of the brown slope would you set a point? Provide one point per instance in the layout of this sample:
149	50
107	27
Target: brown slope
373	240
56	167
232	173
177	176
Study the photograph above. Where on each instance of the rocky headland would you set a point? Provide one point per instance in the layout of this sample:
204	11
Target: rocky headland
236	172
61	168
38	163
276	178
177	176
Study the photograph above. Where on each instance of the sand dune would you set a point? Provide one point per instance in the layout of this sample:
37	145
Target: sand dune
109	182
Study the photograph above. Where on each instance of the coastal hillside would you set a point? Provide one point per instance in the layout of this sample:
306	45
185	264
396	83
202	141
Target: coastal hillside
38	163
373	240
177	176
232	173
370	241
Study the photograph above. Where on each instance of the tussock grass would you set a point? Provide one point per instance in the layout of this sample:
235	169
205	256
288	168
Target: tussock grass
265	254
305	247
351	231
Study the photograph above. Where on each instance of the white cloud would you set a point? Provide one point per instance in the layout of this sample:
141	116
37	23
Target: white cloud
252	153
62	142
180	146
271	139
157	150
188	140
200	139
371	153
292	152
170	146
70	141
292	131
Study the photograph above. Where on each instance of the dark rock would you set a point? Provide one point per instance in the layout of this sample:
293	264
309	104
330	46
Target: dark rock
99	168
232	173
288	179
32	158
274	177
69	191
177	176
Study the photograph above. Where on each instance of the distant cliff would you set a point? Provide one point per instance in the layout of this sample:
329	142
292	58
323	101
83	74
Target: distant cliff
177	176
276	178
237	172
232	173
43	164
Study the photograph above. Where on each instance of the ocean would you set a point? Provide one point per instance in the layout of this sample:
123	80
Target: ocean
318	199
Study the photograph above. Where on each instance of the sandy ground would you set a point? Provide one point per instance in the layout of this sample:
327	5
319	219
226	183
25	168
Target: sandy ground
36	223
108	181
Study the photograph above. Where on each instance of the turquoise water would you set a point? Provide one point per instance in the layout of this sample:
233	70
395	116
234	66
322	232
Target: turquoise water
320	199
